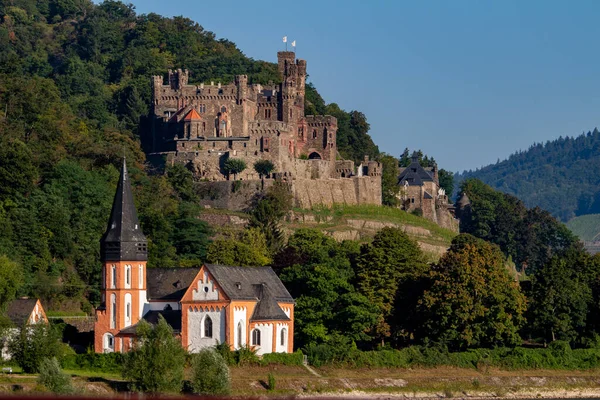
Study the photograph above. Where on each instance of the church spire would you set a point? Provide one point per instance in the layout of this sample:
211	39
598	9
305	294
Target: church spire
124	239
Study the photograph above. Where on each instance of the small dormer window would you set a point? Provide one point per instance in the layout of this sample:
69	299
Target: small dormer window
135	226
238	285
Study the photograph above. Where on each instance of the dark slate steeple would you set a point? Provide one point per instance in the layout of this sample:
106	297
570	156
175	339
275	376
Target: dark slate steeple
124	239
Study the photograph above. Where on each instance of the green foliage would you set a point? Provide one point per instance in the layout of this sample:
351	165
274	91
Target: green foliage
264	167
182	181
554	176
10	279
34	343
531	237
389	180
318	273
234	166
585	227
92	361
247	248
156	364
296	358
390	261
210	373
269	211
271	382
53	378
472	301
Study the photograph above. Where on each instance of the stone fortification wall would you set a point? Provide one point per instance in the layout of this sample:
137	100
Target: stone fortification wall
327	192
230	195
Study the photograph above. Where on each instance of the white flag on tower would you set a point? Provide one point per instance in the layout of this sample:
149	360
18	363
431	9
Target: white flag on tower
285	39
294	43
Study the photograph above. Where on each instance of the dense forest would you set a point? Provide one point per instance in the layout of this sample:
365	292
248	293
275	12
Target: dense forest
74	88
558	176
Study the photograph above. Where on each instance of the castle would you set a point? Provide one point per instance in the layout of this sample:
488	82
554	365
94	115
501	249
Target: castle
203	125
420	190
206	306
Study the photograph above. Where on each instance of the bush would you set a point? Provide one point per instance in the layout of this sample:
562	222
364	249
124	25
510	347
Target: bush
296	358
53	378
246	356
92	361
271	382
157	362
210	373
31	344
225	351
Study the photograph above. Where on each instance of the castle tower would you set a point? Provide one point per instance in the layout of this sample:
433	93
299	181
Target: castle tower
124	253
293	79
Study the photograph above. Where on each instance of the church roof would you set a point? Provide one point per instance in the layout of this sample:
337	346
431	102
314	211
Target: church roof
173	318
414	174
169	283
123	239
192	115
19	310
267	308
238	283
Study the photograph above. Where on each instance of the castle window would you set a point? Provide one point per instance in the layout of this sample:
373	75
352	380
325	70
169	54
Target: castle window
208	327
202	108
256	337
220	91
291	114
314	133
283	336
203	126
223	109
412	200
267	113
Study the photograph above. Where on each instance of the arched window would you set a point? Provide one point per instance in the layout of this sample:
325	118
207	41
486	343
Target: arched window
128	276
113	311
256	337
314	133
239	334
283	336
208	327
141	276
113	276
127	309
109	343
223	109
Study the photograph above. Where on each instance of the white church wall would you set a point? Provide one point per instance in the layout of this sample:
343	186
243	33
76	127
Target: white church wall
196	324
266	339
205	290
279	346
239	317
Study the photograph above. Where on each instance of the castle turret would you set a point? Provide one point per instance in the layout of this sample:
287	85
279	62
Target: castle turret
124	252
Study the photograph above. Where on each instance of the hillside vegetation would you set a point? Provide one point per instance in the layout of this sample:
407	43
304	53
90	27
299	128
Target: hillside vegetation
586	227
559	176
74	90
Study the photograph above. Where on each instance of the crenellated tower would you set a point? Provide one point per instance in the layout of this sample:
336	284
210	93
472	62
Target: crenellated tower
293	77
124	253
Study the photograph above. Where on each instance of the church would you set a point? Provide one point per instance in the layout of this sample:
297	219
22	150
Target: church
206	306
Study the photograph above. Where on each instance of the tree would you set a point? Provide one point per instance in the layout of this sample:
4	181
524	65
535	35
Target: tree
34	343
234	166
472	301
156	363
53	378
247	248
182	181
210	373
389	180
269	211
190	234
446	179
390	260
264	167
318	273
10	280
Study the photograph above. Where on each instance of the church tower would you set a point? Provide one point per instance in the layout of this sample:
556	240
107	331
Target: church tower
124	252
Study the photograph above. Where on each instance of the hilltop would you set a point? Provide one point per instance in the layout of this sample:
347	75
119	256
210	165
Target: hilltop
558	176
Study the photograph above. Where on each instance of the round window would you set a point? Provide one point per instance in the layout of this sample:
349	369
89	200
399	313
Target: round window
205	289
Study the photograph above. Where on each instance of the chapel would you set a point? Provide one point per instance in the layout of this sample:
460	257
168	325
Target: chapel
205	306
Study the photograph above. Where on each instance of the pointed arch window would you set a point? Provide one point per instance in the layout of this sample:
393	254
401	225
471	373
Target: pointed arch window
113	276
128	276
239	335
256	337
141	276
113	311
283	336
208	327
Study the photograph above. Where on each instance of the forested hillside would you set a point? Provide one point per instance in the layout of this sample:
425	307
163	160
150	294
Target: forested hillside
559	176
74	86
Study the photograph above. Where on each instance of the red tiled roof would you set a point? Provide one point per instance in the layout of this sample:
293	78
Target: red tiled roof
192	115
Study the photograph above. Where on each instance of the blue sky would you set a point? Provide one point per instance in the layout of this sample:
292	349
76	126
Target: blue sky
467	82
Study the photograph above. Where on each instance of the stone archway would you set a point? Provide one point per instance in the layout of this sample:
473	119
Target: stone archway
314	156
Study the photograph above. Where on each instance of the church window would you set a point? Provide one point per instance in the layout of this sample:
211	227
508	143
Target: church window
128	276
283	336
141	276
127	309
113	276
256	337
208	327
314	133
109	343
113	311
103	277
239	335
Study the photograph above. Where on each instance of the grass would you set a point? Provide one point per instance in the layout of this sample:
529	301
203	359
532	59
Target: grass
587	227
66	314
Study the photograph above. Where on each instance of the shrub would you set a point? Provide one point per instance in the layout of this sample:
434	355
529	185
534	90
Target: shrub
156	364
31	344
246	356
271	382
210	373
53	378
92	361
225	351
296	358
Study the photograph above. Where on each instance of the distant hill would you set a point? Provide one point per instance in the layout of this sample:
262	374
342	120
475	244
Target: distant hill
560	176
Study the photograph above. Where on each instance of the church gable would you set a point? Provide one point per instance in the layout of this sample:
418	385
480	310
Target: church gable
204	287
